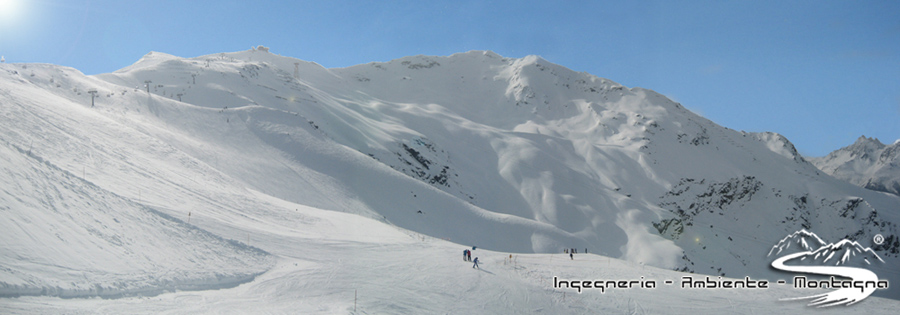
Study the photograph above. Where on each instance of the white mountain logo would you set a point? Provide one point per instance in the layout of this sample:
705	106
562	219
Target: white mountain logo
802	240
810	254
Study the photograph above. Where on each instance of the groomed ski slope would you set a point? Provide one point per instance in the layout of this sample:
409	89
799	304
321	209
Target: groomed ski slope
332	258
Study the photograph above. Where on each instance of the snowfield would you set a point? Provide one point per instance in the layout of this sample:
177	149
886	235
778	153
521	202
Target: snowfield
249	182
66	237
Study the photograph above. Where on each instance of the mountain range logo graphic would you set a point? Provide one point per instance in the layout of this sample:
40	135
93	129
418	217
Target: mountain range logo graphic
805	252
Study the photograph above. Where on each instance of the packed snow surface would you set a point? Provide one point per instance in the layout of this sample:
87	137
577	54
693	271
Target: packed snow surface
246	182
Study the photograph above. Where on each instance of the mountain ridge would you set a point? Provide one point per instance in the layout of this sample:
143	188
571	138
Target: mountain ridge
866	163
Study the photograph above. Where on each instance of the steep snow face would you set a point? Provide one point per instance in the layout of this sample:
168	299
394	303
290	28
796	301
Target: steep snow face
518	155
867	163
64	236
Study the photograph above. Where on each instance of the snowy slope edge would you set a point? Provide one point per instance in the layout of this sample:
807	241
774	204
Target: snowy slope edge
79	240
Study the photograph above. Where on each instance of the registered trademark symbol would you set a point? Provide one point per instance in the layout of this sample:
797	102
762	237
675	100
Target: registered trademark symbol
879	239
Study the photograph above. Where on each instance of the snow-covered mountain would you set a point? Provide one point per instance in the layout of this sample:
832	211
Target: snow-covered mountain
867	163
510	155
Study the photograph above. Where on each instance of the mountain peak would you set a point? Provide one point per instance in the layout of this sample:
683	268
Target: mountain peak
151	59
864	139
867	163
864	143
478	53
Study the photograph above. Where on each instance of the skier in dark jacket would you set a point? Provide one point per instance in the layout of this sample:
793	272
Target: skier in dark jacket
465	253
476	264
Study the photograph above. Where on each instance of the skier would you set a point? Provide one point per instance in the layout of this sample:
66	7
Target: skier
465	252
476	264
570	256
469	254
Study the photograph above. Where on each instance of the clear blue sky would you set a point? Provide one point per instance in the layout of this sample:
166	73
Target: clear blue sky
821	73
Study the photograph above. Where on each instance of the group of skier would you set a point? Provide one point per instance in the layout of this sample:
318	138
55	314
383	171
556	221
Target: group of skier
571	251
467	256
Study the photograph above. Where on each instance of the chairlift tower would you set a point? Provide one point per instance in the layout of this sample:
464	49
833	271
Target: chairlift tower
296	70
147	83
93	93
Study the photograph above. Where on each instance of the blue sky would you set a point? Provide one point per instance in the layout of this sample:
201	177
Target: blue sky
821	73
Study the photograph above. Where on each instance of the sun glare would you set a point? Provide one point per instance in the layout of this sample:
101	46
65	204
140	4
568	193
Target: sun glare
8	9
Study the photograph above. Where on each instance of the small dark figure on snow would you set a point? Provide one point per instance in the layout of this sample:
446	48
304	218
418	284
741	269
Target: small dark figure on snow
469	254
476	264
570	256
465	253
